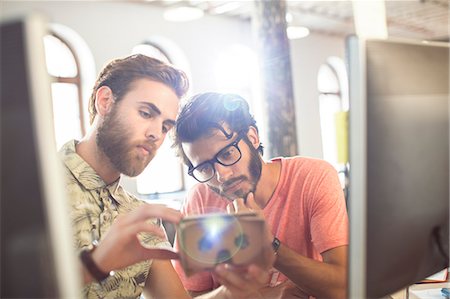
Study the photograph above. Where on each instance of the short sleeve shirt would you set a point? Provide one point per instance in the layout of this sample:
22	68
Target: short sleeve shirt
93	208
306	212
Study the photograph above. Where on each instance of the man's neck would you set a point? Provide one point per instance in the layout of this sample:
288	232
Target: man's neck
270	175
88	150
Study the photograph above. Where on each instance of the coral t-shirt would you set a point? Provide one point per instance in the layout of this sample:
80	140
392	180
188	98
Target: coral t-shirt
307	213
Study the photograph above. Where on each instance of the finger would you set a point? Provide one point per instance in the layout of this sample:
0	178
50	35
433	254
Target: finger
163	212
234	279
229	279
161	253
147	211
230	208
258	274
144	227
251	203
240	205
235	205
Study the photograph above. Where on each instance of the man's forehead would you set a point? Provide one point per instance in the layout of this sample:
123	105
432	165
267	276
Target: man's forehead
155	95
207	146
218	134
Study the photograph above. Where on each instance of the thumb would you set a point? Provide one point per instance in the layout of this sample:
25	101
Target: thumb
251	203
239	205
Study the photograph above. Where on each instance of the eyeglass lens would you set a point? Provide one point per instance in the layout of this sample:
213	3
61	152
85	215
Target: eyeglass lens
227	157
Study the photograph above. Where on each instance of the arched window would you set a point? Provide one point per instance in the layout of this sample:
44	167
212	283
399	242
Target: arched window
236	71
165	173
63	68
332	84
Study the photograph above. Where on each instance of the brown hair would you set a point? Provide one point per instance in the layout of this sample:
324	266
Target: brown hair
120	73
207	111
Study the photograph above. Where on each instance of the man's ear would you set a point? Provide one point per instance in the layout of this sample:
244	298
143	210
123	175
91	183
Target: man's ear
253	136
104	100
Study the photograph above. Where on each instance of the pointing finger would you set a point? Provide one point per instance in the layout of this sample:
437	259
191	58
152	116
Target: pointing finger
251	203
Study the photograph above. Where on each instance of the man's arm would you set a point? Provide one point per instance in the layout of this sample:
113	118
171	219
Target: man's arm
237	284
121	248
327	279
163	282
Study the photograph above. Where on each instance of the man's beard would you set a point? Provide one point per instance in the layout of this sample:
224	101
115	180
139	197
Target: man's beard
254	168
112	140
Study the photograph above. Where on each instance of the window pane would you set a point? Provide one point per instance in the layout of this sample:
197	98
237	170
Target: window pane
329	105
163	174
60	60
150	51
327	82
66	112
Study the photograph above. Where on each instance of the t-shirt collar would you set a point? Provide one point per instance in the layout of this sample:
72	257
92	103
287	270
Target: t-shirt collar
82	171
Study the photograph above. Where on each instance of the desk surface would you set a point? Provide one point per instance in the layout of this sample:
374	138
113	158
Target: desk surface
422	291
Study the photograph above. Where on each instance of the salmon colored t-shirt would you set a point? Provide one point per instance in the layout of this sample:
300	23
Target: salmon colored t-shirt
307	213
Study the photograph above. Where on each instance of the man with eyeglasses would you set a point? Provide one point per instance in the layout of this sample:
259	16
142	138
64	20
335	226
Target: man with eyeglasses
300	198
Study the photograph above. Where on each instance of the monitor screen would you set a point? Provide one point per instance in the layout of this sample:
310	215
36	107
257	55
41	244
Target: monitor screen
399	163
37	259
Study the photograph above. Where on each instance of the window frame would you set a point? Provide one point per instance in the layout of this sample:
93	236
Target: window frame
72	80
181	167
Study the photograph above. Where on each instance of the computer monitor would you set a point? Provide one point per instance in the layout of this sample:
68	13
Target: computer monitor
399	163
37	255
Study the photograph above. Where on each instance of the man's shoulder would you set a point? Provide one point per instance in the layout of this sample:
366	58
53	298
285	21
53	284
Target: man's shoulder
69	157
306	163
68	148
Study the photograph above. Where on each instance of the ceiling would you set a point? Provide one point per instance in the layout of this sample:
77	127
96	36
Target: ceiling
421	19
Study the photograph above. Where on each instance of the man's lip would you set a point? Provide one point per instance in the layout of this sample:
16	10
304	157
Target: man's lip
147	148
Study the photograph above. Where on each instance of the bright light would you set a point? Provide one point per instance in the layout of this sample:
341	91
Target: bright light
183	14
289	17
235	68
370	18
295	32
229	6
214	226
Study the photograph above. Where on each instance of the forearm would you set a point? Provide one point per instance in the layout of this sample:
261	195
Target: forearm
319	279
91	264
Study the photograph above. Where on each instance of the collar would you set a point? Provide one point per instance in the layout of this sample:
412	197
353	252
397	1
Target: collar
82	171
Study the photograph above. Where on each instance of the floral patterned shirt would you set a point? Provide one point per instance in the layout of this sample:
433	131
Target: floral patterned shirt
93	208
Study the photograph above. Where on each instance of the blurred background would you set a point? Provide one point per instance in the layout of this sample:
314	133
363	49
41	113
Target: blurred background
216	43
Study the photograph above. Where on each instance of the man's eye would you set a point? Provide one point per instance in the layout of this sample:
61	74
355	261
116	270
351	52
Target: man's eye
167	126
203	168
227	153
145	114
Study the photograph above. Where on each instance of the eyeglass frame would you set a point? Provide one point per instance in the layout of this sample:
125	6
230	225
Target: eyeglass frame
215	160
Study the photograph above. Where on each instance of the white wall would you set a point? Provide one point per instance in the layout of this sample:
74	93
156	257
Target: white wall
307	55
111	29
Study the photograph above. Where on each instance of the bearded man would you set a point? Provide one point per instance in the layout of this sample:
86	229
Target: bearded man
133	106
300	198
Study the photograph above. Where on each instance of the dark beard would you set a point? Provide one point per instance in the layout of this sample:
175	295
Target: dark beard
255	169
113	142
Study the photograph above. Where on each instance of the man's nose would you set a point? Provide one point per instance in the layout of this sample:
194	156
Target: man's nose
223	173
154	132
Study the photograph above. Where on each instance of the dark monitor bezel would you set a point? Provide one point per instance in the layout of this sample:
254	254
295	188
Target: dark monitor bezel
378	70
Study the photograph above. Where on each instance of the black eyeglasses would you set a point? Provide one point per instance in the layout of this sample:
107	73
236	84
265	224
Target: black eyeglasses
227	156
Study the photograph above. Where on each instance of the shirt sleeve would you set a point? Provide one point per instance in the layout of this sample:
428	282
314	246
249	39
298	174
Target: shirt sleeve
329	220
